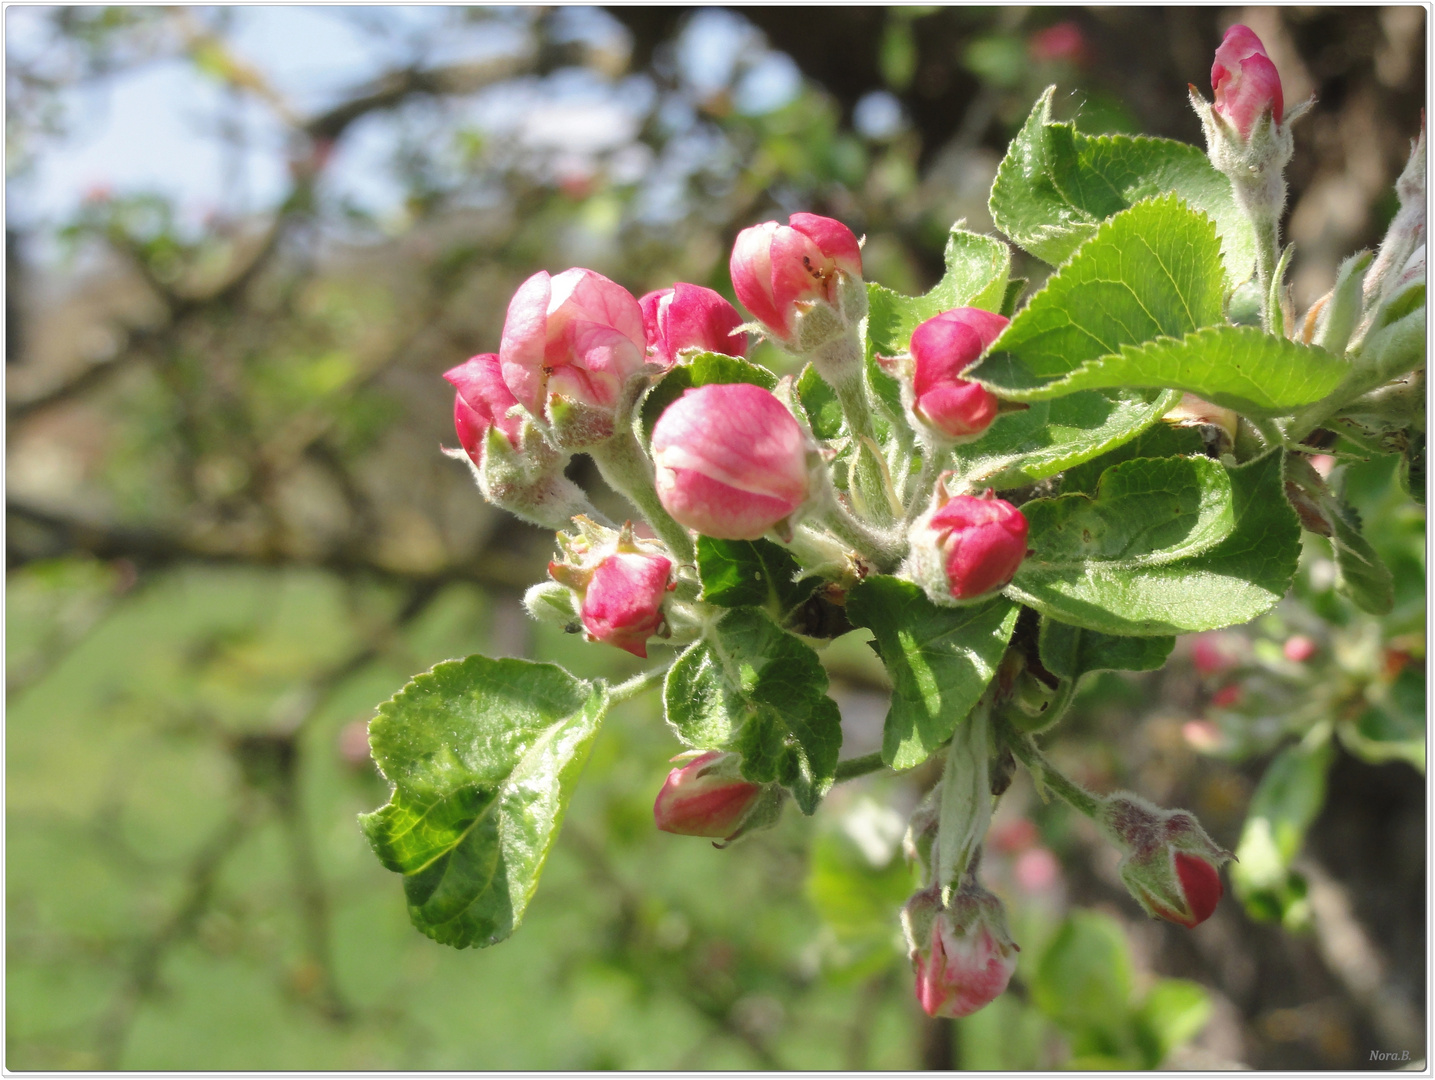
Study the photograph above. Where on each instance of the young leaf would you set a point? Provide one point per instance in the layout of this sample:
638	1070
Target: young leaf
819	402
977	270
1240	367
1056	185
1159	440
1070	652
1360	574
1239	578
700	369
1174	1012
1084	980
1030	445
754	688
483	755
940	660
751	573
1151	271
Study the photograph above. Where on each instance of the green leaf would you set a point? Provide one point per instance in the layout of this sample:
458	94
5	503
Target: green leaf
1173	1013
1287	800
1240	367
1069	652
819	401
1361	575
1159	440
751	573
940	660
483	755
1024	447
751	687
700	369
1393	727
977	270
1237	579
1084	982
1151	271
1056	185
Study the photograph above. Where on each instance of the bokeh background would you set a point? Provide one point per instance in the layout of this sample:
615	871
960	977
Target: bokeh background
242	244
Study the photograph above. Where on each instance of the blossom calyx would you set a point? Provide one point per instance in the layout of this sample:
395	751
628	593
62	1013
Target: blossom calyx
965	547
732	462
690	317
962	951
802	280
574	353
1171	866
951	408
707	796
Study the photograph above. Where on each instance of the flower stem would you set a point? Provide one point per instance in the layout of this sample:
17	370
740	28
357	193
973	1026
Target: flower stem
1044	773
933	458
627	469
630	688
858	766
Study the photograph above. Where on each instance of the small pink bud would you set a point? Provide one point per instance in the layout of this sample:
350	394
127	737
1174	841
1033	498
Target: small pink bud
578	336
623	604
1036	870
690	316
942	347
983	541
731	461
963	953
777	267
1227	696
1246	83
482	402
1171	866
1212	654
1063	41
705	797
1299	648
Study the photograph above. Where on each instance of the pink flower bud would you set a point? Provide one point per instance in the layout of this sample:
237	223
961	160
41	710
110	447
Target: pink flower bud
1246	83
963	954
578	336
690	316
482	402
731	461
1299	648
776	267
942	347
983	541
706	797
623	604
1062	41
1171	866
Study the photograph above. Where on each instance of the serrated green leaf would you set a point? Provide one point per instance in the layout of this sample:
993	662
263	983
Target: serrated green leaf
1056	185
700	369
1241	577
1069	652
483	755
1151	271
1050	436
751	687
751	573
1159	440
1285	803
940	660
976	276
1240	367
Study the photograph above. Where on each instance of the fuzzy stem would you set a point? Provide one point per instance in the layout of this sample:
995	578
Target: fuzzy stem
630	688
1044	773
627	469
881	549
933	457
858	766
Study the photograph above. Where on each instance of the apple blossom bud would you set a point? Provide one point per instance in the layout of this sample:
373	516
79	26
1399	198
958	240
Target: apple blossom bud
1298	648
570	346
942	347
1246	83
1171	866
690	317
966	547
963	953
731	461
623	604
781	271
707	797
482	402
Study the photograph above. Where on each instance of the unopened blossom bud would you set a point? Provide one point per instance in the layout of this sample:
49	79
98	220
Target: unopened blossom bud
623	604
1171	866
731	461
1298	648
963	953
709	797
690	317
482	402
572	344
942	348
782	273
1246	83
966	547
